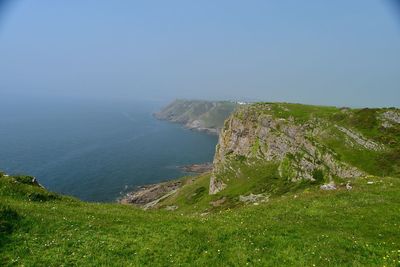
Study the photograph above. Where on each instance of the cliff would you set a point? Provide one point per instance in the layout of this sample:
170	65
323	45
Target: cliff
318	144
207	116
267	150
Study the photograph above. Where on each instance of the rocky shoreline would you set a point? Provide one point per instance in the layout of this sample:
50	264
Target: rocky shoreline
148	196
197	168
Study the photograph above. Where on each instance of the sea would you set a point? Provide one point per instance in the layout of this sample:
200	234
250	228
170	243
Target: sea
96	150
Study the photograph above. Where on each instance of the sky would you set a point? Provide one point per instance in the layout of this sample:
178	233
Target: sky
342	52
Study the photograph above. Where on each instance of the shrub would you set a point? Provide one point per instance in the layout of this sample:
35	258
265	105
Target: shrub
318	176
365	119
240	158
25	179
42	196
8	217
198	193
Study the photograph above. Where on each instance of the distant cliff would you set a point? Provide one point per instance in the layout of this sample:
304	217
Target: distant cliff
208	116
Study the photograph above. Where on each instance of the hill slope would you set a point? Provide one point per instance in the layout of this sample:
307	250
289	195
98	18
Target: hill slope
358	227
261	205
208	116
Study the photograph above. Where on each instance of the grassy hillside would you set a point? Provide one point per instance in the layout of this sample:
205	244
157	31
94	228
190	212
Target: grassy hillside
272	160
358	227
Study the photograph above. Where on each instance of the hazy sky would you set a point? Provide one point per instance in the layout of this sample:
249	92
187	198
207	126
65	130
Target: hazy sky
342	52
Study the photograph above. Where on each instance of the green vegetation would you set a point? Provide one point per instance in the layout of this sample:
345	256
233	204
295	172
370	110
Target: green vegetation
291	223
358	227
369	123
384	162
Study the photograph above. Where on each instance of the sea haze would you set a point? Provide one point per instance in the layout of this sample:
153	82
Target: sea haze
95	151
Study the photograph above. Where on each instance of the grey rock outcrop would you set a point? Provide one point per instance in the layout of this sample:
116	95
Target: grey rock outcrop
253	198
256	136
389	118
328	187
362	141
392	116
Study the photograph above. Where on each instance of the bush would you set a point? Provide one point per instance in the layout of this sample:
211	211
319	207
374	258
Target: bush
318	176
42	196
240	158
365	119
8	217
198	193
25	179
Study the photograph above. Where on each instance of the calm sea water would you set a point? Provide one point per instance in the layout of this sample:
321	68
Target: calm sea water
95	151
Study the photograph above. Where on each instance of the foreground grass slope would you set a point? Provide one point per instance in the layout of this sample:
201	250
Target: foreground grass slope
359	227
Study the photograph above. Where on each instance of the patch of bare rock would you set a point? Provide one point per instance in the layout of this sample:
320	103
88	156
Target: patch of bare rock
149	196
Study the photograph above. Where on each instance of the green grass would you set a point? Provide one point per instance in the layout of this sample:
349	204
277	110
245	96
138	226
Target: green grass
299	225
365	121
299	112
382	163
358	228
216	116
256	178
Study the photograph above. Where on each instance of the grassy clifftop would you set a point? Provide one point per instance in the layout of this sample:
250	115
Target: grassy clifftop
269	209
199	115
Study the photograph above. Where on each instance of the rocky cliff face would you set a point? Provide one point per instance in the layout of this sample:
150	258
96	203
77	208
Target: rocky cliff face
296	138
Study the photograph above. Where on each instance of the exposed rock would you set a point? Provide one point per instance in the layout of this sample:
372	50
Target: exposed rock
216	185
35	182
218	202
392	116
328	187
348	186
386	124
252	198
150	195
171	208
256	135
359	139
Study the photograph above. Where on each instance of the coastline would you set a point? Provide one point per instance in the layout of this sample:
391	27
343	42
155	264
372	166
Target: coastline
193	126
148	196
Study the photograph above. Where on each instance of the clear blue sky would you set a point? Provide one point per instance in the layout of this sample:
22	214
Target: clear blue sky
341	52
